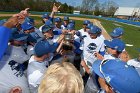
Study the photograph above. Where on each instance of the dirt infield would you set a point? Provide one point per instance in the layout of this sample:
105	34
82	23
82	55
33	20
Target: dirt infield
95	21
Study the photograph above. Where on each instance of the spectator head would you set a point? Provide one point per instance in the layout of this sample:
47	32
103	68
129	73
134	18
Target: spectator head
61	78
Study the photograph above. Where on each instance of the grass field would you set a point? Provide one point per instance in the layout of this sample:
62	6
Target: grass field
131	36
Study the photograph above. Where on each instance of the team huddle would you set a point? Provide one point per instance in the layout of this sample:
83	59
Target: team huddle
56	58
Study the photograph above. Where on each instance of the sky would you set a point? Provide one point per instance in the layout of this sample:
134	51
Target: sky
121	3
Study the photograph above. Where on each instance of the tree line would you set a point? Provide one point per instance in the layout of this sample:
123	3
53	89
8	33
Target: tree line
107	8
34	5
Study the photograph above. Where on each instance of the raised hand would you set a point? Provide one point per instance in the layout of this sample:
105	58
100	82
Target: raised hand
17	19
55	8
99	56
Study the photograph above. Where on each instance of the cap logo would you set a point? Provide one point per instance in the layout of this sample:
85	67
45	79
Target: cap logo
28	23
126	66
108	79
116	47
114	31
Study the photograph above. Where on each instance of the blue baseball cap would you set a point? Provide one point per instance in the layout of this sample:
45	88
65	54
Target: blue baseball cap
2	21
72	21
89	25
70	26
49	23
46	15
42	47
58	19
26	26
116	44
33	37
120	76
19	37
14	30
86	22
46	28
94	29
30	20
66	18
117	32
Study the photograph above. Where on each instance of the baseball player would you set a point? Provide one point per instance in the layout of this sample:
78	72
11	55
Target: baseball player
50	17
50	35
38	64
83	32
91	45
114	48
57	25
27	27
32	22
115	76
32	39
65	23
13	69
5	31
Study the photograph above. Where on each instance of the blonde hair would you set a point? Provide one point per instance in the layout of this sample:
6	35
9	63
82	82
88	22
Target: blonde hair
61	78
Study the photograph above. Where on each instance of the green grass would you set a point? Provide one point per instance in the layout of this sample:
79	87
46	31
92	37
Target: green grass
131	36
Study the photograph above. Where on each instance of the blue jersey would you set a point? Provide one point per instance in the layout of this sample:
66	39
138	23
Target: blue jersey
4	38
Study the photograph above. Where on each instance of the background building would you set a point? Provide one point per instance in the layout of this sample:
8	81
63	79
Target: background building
128	13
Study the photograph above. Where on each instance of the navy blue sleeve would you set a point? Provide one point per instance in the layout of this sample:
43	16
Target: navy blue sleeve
51	19
55	45
78	33
77	50
4	38
57	32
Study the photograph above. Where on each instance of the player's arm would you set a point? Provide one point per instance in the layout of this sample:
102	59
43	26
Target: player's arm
104	86
5	30
84	65
58	43
4	38
55	9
